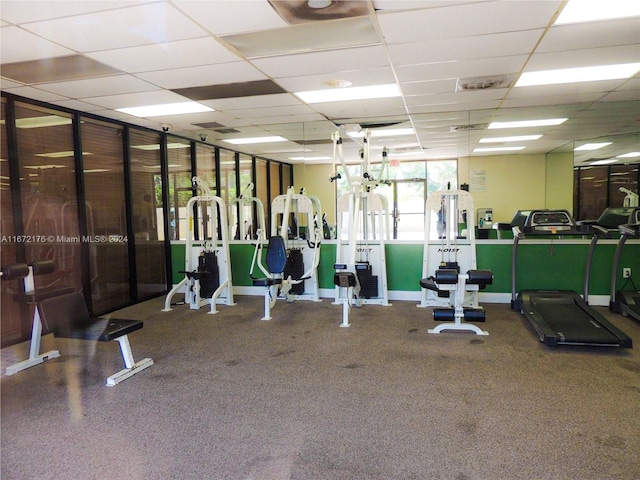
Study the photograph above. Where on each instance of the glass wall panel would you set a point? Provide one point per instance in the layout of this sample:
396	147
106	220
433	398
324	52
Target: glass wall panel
262	190
147	215
227	175
287	176
206	165
180	186
274	181
106	213
48	193
12	318
593	192
248	214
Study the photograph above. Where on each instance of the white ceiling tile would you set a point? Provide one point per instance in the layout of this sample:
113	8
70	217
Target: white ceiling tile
452	106
551	100
579	36
98	87
358	78
461	69
361	108
465	20
6	83
35	93
309	117
256	113
77	105
223	17
13	10
430	87
465	48
166	56
18	45
584	58
314	63
141	99
260	101
219	74
127	27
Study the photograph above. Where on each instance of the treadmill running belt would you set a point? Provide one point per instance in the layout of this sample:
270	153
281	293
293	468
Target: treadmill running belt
571	322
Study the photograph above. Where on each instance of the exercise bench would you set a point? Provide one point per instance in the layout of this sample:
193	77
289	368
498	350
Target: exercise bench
32	296
67	317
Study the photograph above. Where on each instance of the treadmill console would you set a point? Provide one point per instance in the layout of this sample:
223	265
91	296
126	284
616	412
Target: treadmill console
549	222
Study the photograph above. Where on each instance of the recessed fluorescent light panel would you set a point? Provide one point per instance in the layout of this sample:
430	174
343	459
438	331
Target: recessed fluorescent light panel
247	141
350	93
629	155
604	162
528	123
497	149
591	146
576	11
580	74
516	138
166	109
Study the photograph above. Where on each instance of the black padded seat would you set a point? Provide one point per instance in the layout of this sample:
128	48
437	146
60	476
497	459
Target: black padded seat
67	316
40	294
266	282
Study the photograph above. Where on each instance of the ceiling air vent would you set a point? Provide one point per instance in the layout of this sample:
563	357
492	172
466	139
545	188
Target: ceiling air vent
466	128
473	84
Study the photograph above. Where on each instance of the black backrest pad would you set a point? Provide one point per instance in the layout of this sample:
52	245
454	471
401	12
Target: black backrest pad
64	312
276	255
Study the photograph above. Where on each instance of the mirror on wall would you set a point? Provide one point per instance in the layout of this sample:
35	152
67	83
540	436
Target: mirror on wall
605	174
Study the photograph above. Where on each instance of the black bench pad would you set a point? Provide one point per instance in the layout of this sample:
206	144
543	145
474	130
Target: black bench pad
39	294
266	282
67	316
101	329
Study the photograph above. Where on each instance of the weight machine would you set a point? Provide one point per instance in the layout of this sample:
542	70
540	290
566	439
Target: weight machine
360	269
630	199
289	249
453	289
207	274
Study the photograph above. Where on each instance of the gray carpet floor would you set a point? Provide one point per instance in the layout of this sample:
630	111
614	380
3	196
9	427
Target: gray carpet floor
231	397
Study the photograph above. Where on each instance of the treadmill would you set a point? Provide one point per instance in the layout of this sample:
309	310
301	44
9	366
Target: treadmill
626	302
562	317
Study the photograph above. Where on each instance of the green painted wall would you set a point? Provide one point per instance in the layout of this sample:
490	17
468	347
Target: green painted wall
553	264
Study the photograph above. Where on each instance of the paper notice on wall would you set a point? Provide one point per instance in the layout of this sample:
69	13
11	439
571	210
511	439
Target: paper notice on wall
478	181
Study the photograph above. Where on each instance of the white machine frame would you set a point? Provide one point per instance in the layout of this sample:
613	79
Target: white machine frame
209	209
451	248
368	221
283	205
35	357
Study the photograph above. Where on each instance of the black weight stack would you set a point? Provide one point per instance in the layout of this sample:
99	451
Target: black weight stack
209	276
368	281
295	269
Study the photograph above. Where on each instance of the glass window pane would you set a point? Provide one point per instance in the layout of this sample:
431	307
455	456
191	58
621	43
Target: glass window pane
180	186
227	175
148	215
48	191
593	192
106	213
12	319
206	165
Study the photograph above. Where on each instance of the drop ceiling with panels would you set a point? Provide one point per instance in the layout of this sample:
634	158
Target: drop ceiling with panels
455	63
